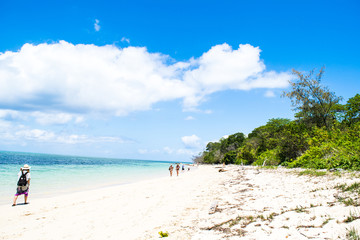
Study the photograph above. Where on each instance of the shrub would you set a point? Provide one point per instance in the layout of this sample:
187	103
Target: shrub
270	157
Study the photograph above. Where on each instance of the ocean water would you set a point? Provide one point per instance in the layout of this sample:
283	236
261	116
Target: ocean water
57	174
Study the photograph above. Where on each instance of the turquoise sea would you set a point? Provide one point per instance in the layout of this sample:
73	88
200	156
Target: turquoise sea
57	174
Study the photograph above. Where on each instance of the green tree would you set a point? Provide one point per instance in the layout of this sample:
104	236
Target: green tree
352	110
315	104
334	148
246	154
269	135
229	157
212	153
292	141
212	146
232	142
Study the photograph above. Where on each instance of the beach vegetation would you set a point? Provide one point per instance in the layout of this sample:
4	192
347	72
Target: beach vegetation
348	201
352	217
300	209
352	110
271	216
352	198
312	172
326	221
268	167
305	226
354	174
323	135
353	234
235	221
337	174
163	234
355	187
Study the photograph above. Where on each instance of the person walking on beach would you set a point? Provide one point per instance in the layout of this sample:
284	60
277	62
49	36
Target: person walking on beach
23	184
177	169
171	168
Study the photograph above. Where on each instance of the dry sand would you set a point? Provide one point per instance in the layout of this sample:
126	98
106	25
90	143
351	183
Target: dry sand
251	204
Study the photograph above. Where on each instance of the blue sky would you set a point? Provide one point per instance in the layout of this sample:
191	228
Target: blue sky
160	79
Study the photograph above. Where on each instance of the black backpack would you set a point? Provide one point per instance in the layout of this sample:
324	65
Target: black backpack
22	180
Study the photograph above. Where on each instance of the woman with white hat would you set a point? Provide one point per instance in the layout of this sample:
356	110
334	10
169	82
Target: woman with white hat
23	183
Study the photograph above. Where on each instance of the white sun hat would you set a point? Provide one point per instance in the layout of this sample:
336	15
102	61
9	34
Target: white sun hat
26	167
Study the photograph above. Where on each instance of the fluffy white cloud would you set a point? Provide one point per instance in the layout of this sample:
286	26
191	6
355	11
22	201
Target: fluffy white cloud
63	77
192	141
124	39
223	68
97	25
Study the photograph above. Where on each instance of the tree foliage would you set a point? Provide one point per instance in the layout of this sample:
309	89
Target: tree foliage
333	148
352	110
324	134
316	104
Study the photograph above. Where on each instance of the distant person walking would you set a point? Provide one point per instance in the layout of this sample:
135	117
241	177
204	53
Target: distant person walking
23	183
171	168
177	169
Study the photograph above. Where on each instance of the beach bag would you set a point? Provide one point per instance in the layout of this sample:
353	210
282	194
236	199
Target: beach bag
22	180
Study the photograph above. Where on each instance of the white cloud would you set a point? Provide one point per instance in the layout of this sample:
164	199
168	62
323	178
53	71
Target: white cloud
44	118
15	133
192	141
55	118
79	119
186	152
35	134
168	150
97	25
269	94
154	151
124	39
225	136
188	118
82	78
223	68
7	114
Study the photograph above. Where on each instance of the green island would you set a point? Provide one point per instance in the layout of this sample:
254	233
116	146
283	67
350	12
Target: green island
323	135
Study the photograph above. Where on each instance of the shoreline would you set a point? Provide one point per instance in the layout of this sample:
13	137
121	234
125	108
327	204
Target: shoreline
251	203
65	181
87	188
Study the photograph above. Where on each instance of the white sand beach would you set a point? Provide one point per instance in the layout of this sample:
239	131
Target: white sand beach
251	204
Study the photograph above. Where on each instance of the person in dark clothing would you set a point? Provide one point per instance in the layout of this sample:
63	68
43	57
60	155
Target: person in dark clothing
23	184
